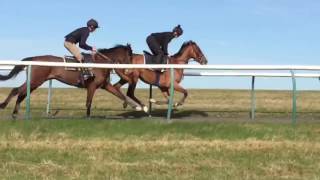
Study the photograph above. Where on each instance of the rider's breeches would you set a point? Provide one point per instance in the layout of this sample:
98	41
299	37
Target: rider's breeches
156	50
74	50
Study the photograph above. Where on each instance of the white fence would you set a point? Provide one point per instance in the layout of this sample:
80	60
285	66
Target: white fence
286	71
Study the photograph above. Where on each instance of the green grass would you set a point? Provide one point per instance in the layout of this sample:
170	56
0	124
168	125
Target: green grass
152	149
152	129
211	137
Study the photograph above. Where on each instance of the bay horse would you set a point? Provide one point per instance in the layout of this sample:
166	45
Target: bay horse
189	50
40	74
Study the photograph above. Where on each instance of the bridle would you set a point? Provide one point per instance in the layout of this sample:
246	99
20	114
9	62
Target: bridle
200	57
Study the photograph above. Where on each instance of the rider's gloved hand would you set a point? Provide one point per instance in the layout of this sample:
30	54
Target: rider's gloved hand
94	49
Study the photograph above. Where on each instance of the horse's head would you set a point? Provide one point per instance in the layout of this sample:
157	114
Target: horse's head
119	54
192	50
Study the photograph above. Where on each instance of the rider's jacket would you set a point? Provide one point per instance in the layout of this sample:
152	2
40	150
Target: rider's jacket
163	40
80	36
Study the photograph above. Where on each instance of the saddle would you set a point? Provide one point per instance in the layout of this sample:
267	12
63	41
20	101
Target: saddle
85	72
152	59
71	59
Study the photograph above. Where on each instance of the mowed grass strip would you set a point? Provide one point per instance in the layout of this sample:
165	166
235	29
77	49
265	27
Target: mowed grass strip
152	149
214	104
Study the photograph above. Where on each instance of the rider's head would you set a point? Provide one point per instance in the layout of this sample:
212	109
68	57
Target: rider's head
177	31
92	25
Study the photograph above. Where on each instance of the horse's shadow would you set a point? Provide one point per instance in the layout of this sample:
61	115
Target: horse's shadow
162	113
156	113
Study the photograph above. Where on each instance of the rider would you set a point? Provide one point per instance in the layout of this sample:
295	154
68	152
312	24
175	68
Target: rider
158	43
80	36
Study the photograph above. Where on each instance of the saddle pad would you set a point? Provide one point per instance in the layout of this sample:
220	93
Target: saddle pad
71	59
149	58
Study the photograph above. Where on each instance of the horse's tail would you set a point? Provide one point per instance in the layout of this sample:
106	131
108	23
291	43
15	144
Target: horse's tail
15	71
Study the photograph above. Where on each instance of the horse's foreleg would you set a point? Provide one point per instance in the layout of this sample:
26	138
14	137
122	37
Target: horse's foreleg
13	92
165	93
179	88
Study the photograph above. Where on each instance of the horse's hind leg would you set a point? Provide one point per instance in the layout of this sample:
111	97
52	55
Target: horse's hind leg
117	92
13	92
22	93
166	94
120	83
130	93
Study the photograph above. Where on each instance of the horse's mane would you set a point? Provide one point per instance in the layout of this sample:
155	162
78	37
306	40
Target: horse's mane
119	46
184	45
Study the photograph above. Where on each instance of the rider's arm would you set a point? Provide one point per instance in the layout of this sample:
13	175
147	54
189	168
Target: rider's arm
83	42
167	36
165	49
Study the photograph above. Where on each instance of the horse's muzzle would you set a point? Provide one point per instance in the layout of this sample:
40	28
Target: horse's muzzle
203	60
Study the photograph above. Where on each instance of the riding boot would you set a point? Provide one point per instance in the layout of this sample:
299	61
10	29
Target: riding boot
81	81
86	73
163	61
160	60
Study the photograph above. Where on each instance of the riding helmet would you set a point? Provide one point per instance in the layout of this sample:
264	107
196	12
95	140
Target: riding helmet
178	30
93	23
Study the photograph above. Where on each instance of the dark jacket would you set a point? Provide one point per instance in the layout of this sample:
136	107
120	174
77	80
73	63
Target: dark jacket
80	36
163	39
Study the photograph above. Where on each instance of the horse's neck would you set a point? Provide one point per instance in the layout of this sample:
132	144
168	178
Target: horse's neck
104	58
182	59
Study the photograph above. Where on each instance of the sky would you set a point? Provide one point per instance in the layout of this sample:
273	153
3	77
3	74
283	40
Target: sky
255	32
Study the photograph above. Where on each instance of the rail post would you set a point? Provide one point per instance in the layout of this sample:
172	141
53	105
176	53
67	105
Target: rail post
49	96
253	99
294	98
28	92
171	94
150	97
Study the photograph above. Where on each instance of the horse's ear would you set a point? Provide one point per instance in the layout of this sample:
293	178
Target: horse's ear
129	48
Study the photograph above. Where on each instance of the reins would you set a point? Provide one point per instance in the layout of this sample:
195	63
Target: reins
104	56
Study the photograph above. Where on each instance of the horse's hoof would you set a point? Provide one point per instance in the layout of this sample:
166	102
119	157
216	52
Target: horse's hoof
152	100
127	71
2	106
138	108
177	104
125	105
14	116
145	109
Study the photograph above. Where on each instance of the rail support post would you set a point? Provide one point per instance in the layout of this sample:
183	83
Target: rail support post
150	97
253	99
28	92
170	105
49	97
294	98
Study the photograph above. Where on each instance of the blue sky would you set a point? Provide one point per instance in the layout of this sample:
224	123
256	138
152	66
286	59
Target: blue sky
227	31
